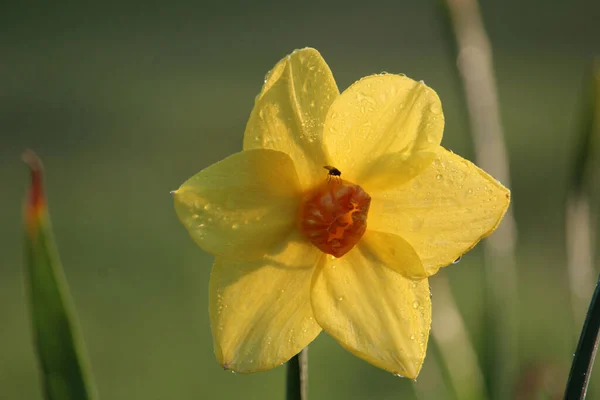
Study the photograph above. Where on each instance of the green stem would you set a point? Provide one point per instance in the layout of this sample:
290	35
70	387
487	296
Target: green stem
579	377
297	377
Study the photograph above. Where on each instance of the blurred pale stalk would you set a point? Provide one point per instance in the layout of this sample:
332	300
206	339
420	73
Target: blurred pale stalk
474	62
296	387
431	383
580	219
580	236
580	254
452	339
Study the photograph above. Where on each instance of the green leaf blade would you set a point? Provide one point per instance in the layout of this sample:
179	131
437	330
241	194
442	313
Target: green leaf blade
60	350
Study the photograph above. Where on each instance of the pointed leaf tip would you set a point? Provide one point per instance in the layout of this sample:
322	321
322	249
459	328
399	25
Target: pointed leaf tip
36	199
58	344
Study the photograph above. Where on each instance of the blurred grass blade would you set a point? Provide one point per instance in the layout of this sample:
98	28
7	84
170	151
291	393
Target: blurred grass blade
59	349
589	131
296	385
455	348
473	52
579	208
581	369
580	238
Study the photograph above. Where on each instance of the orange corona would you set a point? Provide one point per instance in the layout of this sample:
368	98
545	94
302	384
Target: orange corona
334	216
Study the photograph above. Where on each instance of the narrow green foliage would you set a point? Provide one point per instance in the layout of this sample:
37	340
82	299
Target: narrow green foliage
59	350
583	360
589	131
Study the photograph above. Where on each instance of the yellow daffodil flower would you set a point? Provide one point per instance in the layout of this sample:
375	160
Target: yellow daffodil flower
348	249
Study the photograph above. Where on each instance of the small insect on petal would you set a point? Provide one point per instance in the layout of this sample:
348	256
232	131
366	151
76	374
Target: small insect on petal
333	172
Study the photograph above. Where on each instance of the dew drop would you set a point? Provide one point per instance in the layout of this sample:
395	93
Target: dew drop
470	191
340	298
333	267
235	226
457	260
412	337
439	177
435	108
415	304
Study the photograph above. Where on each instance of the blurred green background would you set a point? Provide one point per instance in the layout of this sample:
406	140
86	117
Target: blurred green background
124	101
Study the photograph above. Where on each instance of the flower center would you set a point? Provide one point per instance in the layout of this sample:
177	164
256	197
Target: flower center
334	216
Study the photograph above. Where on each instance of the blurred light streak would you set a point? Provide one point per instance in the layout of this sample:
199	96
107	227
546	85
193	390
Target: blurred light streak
475	66
452	339
580	222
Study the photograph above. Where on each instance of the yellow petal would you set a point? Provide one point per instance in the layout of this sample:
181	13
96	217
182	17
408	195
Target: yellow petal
444	211
394	252
383	130
242	205
373	311
290	110
260	310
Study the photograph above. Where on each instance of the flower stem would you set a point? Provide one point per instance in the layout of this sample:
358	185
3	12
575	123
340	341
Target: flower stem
297	377
583	361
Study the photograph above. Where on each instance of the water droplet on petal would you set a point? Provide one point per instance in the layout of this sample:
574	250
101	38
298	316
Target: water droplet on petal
435	108
439	177
457	260
415	304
